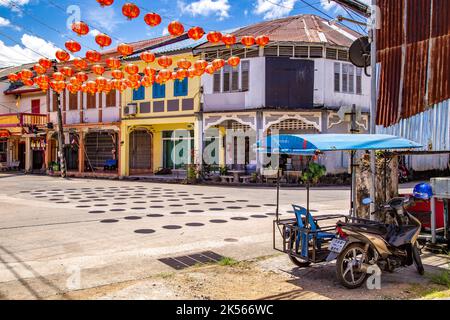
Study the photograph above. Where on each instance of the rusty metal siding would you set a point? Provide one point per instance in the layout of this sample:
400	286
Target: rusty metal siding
414	52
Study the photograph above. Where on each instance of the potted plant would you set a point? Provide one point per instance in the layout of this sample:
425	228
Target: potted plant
312	175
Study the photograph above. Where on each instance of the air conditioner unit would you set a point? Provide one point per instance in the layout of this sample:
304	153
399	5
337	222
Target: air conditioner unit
130	109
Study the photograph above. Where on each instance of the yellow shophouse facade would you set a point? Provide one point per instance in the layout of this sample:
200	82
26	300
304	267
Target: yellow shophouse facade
161	129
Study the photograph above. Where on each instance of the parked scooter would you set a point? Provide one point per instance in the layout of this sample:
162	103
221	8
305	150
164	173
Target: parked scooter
389	246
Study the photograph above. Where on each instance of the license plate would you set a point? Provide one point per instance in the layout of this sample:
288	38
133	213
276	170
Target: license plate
337	245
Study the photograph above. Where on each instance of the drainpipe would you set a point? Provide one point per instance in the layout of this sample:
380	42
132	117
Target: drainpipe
62	158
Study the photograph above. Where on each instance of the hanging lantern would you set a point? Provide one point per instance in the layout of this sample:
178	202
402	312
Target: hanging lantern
42	79
165	74
39	69
62	55
107	87
81	76
98	69
13	77
58	76
72	88
262	41
200	64
120	85
210	69
234	61
101	82
165	61
26	74
93	56
74	81
191	73
147	57
72	46
106	3
218	64
147	81
134	84
248	41
173	76
117	74
92	85
134	77
57	86
130	10
214	37
229	40
181	74
46	63
199	72
44	86
28	82
175	28
103	40
67	71
84	88
131	68
159	80
149	72
80	28
196	33
152	19
125	49
184	64
113	63
80	63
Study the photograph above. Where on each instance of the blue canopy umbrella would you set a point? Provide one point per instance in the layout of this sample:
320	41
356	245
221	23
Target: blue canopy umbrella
312	144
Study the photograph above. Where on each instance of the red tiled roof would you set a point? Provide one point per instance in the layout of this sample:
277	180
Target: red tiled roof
142	44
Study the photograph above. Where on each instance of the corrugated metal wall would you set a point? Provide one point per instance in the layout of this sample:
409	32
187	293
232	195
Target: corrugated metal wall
414	51
430	128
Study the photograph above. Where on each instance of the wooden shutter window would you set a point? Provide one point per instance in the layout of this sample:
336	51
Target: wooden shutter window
73	101
111	99
245	74
216	82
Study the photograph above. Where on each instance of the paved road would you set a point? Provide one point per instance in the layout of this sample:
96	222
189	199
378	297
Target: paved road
58	235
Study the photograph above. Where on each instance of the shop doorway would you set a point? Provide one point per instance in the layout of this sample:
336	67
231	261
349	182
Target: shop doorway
140	153
21	155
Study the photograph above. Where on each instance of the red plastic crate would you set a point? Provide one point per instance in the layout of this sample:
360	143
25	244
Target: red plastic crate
422	211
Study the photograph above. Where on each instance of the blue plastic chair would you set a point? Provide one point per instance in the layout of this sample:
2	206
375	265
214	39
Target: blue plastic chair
301	213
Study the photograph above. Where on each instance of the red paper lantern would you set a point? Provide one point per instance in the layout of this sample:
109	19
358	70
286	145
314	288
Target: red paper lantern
165	61
229	40
25	74
42	79
125	49
104	3
134	77
199	72
98	69
91	85
152	19
101	82
210	69
93	56
113	63
62	55
159	79
181	74
130	10
248	41
200	64
121	85
39	69
80	63
147	81
234	61
147	57
191	73
196	33
28	82
81	77
262	41
44	86
131	68
72	46
72	88
57	86
149	72
103	40
165	74
214	37
46	63
58	76
175	28
80	28
13	77
218	64
67	71
74	81
184	64
117	74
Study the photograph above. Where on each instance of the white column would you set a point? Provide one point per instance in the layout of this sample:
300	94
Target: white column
198	140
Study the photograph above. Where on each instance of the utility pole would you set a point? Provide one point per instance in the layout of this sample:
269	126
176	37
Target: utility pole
373	100
62	158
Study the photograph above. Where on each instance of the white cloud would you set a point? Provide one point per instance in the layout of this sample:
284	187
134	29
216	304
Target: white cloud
104	19
274	9
20	54
4	22
94	32
165	32
14	5
218	8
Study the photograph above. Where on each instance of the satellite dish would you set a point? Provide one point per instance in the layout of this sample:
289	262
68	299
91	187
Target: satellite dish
359	53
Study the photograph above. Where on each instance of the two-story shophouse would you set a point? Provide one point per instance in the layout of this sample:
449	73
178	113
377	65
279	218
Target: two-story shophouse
23	124
158	119
302	82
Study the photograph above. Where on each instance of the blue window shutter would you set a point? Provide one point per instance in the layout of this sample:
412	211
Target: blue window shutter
176	88
181	88
159	91
184	87
139	94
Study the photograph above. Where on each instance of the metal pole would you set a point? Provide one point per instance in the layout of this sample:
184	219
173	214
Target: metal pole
278	195
373	103
62	158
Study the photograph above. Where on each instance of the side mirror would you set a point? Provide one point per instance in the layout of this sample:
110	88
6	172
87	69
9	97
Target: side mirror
367	201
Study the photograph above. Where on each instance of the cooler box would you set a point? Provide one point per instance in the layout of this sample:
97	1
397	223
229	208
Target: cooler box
421	209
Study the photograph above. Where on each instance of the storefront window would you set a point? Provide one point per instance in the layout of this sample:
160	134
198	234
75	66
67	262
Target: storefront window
3	150
177	148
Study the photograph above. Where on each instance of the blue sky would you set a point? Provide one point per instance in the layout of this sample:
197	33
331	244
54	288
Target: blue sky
29	27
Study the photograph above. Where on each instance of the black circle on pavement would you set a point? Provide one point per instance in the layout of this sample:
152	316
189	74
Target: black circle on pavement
138	208
83	206
217	209
234	207
218	221
145	231
253	206
195	224
156	207
119	203
117	210
196	211
178	212
239	218
97	211
133	218
258	216
155	215
172	227
109	221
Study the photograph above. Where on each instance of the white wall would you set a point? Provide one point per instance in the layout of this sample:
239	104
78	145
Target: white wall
7	102
324	87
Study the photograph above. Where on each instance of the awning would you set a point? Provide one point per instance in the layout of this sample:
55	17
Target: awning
4	133
307	144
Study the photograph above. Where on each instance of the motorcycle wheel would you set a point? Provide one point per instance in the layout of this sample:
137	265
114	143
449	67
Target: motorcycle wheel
417	260
298	262
347	266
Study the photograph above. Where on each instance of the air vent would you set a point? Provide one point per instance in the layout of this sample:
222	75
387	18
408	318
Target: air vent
251	53
271	51
316	52
343	55
331	54
301	52
286	51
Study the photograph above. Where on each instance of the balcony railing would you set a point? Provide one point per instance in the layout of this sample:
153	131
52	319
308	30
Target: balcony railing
22	120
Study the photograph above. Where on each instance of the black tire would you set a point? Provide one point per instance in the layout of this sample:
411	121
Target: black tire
417	260
342	264
297	261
